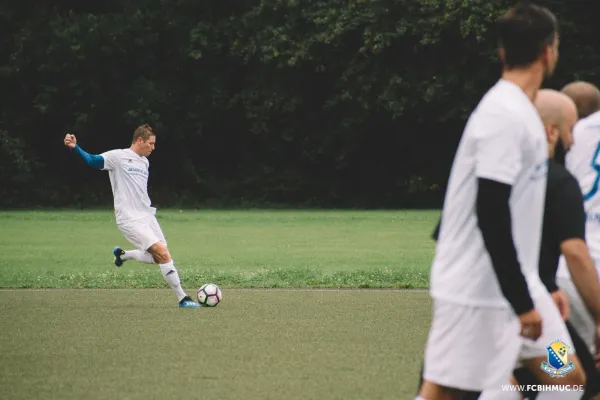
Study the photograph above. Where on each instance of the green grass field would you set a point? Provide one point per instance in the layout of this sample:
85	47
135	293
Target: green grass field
126	339
233	248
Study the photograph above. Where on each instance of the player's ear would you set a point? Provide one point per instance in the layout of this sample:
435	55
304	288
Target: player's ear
551	133
567	138
548	53
501	54
556	134
549	56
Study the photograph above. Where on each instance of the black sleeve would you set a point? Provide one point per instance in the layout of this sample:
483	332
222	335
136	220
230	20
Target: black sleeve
568	222
549	280
568	211
436	232
494	220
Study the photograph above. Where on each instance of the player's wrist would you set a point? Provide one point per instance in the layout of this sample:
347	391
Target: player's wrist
551	286
522	304
521	313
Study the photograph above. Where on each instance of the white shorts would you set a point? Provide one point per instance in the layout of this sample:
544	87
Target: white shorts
471	348
553	328
580	317
477	348
143	233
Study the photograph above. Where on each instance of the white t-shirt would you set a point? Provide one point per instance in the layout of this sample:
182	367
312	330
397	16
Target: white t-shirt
504	141
583	161
128	174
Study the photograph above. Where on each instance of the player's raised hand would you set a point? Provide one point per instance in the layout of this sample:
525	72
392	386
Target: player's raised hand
531	324
70	141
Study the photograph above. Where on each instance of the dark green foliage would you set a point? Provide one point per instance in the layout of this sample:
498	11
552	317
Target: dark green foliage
299	103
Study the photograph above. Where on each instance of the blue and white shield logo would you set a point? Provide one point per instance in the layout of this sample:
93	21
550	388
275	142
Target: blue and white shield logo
558	362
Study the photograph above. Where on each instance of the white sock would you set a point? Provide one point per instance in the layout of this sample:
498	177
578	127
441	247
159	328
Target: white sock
172	277
420	398
141	256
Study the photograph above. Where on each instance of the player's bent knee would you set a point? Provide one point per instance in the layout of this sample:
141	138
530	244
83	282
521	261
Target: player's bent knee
160	253
162	258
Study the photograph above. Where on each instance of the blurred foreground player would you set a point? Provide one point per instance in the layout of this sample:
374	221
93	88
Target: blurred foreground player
497	187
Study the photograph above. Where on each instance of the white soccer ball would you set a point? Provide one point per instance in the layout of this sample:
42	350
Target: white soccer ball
209	295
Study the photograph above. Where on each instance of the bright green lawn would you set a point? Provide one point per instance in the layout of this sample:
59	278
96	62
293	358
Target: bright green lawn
67	249
256	345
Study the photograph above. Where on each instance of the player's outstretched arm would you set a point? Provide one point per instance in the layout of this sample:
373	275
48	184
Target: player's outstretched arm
94	161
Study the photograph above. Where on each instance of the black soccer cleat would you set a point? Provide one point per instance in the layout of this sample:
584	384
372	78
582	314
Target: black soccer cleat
118	252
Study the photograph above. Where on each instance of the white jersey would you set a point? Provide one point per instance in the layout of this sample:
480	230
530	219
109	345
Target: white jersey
583	161
128	174
504	141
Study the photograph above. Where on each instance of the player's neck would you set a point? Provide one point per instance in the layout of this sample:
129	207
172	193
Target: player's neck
529	80
135	150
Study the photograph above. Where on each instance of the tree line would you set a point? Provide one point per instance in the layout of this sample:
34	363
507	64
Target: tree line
256	103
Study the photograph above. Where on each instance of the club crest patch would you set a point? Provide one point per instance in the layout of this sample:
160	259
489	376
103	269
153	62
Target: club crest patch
558	360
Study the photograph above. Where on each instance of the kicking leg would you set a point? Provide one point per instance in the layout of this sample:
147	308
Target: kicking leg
161	256
145	234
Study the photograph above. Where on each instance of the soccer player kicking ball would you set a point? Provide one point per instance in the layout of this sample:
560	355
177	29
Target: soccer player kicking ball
128	173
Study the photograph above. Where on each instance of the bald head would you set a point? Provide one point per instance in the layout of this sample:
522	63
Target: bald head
559	114
585	95
554	106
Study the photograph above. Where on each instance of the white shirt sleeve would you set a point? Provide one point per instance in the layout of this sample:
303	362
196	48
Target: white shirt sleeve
111	159
499	151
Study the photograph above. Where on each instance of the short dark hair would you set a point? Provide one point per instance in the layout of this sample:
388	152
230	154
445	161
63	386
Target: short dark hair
524	32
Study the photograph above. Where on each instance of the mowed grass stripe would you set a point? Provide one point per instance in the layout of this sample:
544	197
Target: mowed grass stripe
276	249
